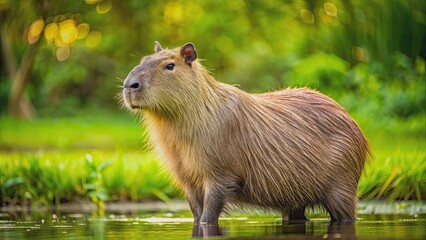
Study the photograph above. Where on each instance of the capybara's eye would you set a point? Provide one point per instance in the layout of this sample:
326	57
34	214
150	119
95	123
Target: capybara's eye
170	66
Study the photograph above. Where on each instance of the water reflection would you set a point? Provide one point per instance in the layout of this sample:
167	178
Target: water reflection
203	230
179	225
340	230
295	229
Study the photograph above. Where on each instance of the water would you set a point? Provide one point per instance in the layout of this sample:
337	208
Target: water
178	225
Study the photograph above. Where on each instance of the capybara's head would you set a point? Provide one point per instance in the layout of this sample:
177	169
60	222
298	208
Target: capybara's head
163	81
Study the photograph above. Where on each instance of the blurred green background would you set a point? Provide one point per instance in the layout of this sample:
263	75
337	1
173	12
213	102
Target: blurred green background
63	136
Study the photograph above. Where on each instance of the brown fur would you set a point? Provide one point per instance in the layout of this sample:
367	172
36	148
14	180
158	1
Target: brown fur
283	150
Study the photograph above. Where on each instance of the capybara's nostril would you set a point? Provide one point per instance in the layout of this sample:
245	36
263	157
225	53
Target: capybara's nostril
132	84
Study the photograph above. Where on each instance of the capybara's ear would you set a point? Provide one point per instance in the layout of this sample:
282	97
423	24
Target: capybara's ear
158	47
189	53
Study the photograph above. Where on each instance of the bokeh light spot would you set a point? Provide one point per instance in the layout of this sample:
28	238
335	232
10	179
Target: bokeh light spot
63	53
419	16
325	17
51	32
83	30
68	31
93	39
330	9
91	1
104	6
173	12
36	28
360	54
307	16
58	42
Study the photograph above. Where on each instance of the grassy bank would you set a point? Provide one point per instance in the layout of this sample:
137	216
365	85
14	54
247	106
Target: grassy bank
54	177
398	170
103	158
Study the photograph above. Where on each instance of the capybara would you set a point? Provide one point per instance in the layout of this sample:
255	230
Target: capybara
284	150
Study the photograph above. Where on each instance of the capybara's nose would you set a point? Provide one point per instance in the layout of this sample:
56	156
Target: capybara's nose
132	84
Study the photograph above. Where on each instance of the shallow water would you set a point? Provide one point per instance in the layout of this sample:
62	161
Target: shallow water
178	225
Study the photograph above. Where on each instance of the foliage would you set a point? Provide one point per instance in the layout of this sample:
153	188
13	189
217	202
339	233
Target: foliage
53	177
151	180
398	168
93	184
260	45
38	179
398	177
67	171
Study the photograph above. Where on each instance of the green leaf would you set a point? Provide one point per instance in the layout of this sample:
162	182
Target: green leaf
158	193
104	165
13	181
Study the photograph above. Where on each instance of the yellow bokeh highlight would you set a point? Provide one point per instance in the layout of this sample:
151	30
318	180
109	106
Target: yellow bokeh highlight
195	9
307	16
35	29
360	54
83	30
330	9
68	31
173	12
104	6
58	42
93	39
63	53
91	1
325	17
51	32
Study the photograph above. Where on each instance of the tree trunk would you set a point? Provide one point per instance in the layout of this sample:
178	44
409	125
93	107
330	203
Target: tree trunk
19	106
8	57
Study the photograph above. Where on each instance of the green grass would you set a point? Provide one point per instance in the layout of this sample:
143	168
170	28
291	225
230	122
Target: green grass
401	176
398	169
53	177
103	158
99	130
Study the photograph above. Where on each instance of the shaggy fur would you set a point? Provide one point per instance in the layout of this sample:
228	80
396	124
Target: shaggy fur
283	150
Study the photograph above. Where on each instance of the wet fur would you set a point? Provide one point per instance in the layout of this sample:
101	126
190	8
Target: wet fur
283	150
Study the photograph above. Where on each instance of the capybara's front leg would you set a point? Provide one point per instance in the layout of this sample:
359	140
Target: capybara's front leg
214	200
195	199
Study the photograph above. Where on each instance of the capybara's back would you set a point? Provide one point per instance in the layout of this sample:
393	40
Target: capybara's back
284	150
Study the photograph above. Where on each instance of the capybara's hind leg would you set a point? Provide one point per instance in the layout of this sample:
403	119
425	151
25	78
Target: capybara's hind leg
297	214
341	204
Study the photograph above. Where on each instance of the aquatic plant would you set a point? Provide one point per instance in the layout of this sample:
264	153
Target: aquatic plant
93	184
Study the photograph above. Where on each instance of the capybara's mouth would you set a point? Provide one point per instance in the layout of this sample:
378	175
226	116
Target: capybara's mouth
127	97
130	102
